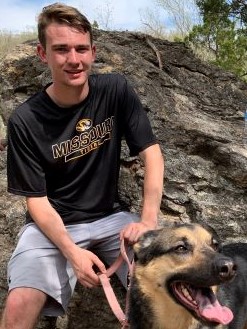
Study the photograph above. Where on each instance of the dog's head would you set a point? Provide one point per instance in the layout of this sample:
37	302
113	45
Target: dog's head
184	261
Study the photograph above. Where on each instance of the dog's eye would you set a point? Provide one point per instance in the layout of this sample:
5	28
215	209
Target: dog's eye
215	244
180	249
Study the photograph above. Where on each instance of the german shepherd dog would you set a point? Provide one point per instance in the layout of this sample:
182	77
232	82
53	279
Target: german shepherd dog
185	279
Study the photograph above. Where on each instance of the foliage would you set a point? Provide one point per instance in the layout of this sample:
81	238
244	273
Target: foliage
223	33
182	14
9	40
105	15
236	9
152	23
170	19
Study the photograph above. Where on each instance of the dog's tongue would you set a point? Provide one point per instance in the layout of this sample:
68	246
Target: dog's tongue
210	308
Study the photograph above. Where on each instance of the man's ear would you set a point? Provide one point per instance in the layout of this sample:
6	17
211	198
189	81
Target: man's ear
41	52
94	52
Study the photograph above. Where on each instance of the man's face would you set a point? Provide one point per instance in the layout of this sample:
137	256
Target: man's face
69	55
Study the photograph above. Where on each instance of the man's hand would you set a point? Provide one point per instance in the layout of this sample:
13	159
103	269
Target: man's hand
84	263
132	232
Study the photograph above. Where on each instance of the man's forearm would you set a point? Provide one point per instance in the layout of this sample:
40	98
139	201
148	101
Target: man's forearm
51	224
153	184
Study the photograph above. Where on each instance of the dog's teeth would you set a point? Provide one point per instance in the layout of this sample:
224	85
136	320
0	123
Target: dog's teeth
187	294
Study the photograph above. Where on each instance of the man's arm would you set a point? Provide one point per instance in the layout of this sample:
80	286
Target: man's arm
153	184
152	194
51	224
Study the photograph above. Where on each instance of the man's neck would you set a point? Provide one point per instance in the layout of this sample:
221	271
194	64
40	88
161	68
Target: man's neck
66	96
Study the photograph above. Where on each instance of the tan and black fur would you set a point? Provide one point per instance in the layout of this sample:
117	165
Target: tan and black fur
181	259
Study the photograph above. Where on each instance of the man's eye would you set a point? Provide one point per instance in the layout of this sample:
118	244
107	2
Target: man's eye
61	49
81	50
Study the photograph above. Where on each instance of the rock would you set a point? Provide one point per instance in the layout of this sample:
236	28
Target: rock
196	111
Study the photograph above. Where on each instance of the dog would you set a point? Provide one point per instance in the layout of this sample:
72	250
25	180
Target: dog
185	279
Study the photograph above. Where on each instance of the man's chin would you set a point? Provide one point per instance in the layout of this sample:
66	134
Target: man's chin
76	82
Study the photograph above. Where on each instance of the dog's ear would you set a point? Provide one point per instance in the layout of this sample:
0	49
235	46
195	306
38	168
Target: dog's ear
145	241
210	229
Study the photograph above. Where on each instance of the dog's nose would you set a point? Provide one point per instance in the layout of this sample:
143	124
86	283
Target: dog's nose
226	269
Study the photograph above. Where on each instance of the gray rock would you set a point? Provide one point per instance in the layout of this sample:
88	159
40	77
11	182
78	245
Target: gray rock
196	111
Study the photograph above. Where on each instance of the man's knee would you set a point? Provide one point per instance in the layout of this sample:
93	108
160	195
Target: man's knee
24	300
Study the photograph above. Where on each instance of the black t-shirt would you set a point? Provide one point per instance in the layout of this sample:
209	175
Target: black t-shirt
72	155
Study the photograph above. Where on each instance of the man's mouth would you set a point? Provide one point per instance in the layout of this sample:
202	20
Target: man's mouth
73	71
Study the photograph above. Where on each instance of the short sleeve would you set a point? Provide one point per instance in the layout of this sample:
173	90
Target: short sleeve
25	174
137	128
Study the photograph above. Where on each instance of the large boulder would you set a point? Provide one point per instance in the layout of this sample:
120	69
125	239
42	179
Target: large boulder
196	111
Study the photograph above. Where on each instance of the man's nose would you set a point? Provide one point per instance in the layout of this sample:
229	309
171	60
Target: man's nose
72	56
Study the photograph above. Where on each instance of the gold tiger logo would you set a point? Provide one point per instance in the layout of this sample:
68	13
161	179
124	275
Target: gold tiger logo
84	125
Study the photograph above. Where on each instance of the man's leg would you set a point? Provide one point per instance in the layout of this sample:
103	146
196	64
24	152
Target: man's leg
105	234
23	306
40	280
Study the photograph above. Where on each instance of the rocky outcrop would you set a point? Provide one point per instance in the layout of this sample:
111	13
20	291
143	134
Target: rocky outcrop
196	111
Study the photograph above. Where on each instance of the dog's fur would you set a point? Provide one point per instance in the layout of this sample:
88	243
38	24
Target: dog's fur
189	255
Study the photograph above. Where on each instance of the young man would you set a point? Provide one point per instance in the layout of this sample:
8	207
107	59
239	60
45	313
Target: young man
64	157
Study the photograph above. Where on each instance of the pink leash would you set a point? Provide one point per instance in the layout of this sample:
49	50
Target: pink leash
110	295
